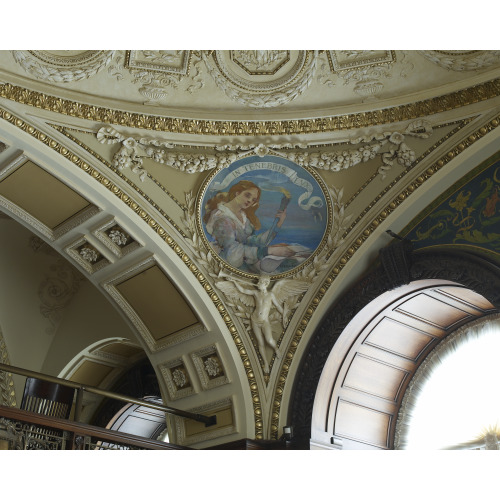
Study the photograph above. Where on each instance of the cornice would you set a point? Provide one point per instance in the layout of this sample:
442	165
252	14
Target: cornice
410	111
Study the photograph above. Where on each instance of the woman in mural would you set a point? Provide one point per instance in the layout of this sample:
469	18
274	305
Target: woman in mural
230	218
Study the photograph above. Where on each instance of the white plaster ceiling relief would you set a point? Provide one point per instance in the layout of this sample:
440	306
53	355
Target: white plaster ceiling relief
58	288
87	256
157	71
262	78
210	367
177	379
462	60
3	147
63	66
364	67
115	238
390	147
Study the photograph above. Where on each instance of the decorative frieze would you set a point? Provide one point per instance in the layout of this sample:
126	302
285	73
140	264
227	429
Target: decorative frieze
63	66
389	147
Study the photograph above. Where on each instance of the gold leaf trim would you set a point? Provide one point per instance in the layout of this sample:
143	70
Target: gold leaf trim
342	261
114	189
447	102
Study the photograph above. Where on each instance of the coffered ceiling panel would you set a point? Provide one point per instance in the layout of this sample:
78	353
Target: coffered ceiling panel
157	302
52	205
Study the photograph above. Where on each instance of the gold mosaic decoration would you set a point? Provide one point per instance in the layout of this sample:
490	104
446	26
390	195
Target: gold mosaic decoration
404	112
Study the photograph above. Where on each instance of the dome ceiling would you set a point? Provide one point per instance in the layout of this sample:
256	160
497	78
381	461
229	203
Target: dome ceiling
131	141
248	84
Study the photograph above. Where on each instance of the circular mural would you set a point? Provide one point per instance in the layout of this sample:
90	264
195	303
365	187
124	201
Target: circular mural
264	215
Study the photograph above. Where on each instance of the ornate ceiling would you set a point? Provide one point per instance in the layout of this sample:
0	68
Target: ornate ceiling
105	156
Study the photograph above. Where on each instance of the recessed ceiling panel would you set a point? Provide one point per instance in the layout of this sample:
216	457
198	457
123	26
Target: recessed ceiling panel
433	311
91	373
398	338
42	195
374	378
124	350
157	302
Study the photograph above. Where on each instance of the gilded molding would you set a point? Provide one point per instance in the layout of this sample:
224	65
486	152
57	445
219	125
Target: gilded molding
155	226
489	90
344	259
447	102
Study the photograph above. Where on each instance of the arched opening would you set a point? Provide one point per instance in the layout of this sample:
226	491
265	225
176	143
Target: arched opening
451	400
369	368
141	420
361	360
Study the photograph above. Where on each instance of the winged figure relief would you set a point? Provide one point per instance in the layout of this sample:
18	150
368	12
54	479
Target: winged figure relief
264	302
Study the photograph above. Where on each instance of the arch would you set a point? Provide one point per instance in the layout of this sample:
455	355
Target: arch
360	307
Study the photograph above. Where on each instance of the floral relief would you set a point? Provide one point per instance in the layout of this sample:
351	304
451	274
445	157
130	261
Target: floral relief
118	237
179	377
389	146
89	254
212	366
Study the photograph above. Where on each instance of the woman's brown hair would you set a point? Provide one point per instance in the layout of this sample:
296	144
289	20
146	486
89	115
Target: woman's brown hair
225	196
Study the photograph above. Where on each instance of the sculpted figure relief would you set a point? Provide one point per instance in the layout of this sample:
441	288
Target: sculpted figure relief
264	304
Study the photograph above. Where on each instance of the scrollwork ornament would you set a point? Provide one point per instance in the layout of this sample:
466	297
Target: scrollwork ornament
56	292
48	67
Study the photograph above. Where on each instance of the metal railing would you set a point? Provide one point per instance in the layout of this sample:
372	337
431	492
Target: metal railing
24	430
207	420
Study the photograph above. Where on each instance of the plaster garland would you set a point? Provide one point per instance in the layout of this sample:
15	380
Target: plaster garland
390	146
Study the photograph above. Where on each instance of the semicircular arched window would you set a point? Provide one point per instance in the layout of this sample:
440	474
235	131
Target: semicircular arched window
452	401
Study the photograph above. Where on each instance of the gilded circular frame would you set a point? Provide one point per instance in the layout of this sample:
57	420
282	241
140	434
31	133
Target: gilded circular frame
240	207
